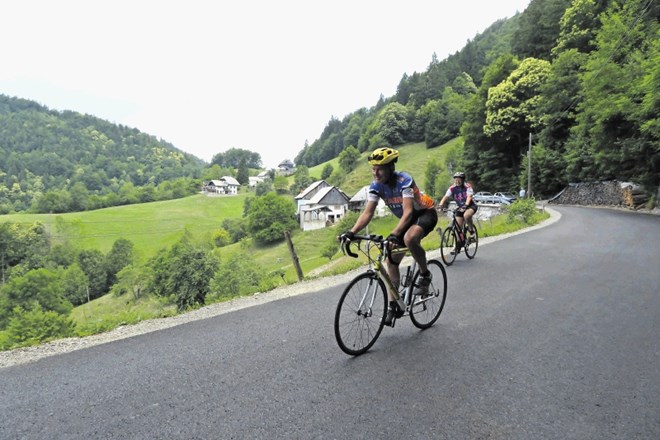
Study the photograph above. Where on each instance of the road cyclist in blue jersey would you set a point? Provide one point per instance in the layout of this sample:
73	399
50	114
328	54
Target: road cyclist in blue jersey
462	193
417	217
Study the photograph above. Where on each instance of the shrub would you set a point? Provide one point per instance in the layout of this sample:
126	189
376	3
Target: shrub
236	276
31	327
522	210
221	237
330	250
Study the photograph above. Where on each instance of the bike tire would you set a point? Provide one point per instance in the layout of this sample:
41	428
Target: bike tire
426	309
471	243
360	314
448	246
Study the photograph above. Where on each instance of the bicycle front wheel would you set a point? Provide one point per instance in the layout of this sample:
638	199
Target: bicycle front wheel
426	308
360	314
471	243
448	249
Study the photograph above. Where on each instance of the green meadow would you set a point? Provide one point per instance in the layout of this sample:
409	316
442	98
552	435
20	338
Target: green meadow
150	226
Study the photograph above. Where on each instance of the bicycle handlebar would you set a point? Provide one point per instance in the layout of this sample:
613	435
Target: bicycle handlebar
346	243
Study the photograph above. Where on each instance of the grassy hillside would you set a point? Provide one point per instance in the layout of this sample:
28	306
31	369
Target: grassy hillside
150	226
413	159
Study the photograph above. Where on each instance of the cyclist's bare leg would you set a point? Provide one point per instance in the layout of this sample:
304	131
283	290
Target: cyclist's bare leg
459	221
413	241
467	215
394	273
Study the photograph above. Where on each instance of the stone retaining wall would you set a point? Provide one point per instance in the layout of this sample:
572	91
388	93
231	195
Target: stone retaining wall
611	193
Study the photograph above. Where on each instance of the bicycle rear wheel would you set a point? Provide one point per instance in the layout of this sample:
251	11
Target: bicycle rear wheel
471	243
426	309
360	314
448	246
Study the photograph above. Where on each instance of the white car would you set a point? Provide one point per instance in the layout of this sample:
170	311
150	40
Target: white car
484	197
509	197
490	198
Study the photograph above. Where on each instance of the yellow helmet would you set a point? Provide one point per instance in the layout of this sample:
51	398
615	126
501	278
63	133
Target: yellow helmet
383	156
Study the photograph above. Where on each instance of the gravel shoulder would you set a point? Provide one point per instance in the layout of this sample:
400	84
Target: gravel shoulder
29	354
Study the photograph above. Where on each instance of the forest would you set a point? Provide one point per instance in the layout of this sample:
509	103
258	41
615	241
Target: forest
580	78
54	161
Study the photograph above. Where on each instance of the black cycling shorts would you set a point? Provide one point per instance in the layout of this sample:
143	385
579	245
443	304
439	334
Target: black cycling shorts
473	207
426	218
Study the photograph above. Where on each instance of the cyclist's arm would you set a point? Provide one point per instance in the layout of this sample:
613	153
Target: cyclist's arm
468	199
445	198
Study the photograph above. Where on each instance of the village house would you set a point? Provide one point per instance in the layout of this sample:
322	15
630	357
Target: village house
225	185
286	167
253	180
320	205
359	201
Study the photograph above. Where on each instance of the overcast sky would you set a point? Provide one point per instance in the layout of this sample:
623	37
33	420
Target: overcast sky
207	76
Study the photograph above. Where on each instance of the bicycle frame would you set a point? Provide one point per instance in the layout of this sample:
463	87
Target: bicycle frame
453	224
465	237
376	265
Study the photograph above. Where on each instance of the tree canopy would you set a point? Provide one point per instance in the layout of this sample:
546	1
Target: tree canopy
579	76
234	157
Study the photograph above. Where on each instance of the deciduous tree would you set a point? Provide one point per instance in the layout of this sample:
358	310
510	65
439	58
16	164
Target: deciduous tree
348	158
270	216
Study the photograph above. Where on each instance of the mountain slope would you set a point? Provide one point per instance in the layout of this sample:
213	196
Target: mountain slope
43	150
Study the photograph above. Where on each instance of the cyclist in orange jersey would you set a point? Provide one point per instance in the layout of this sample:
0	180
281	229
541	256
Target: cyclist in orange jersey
415	210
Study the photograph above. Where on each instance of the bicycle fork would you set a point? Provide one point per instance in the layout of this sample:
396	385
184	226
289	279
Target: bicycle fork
365	308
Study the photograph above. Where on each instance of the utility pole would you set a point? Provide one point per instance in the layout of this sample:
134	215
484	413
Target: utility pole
529	167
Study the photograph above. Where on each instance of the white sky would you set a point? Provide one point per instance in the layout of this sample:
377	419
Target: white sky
207	76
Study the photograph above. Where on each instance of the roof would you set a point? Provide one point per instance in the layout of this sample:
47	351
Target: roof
303	194
230	180
361	195
323	193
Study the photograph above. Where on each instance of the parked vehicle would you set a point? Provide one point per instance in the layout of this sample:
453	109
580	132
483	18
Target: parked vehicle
510	197
484	197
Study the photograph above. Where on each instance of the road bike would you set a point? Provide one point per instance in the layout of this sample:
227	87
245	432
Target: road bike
362	307
454	238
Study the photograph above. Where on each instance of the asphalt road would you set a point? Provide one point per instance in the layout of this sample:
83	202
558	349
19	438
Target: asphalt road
551	334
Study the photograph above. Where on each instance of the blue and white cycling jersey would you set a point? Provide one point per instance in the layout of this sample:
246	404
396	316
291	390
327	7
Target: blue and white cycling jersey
403	188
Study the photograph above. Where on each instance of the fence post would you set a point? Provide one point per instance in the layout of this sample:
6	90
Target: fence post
294	257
